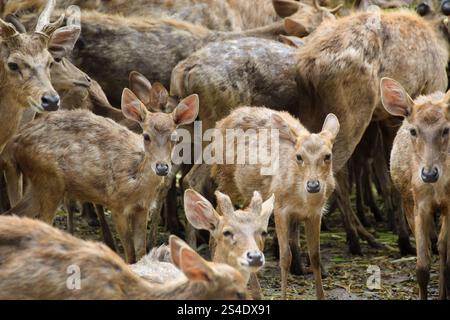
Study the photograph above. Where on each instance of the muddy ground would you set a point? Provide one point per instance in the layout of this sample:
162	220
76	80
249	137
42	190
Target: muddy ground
347	274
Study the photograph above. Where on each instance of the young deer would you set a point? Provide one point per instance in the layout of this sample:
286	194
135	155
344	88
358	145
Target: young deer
301	184
54	254
420	165
238	235
93	159
25	68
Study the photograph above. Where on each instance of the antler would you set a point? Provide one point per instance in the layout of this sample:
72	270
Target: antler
44	26
73	16
7	29
319	7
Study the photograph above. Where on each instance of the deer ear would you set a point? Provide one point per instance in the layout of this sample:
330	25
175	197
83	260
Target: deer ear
187	110
158	97
256	202
285	8
295	28
395	99
132	107
331	126
194	267
176	244
140	86
291	41
267	210
199	211
224	203
63	41
284	129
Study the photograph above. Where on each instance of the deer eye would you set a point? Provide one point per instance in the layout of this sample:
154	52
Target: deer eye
264	234
146	137
328	157
228	234
413	132
445	132
13	66
299	157
57	60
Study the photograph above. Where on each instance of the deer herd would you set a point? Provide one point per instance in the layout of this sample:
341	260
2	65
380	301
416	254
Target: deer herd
86	121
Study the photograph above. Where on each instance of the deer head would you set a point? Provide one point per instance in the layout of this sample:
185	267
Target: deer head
313	152
158	127
427	120
239	234
28	57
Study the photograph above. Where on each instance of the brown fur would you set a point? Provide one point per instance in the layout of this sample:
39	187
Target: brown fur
34	261
421	145
293	202
52	152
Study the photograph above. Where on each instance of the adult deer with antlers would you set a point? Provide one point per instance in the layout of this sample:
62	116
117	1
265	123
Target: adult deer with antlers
25	68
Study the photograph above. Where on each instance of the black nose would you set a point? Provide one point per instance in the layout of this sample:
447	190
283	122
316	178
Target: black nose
430	176
313	186
162	169
50	102
255	258
445	8
423	9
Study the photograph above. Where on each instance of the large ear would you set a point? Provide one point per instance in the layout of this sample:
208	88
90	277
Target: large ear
294	27
176	244
63	39
331	126
395	99
267	210
158	97
285	8
291	41
140	86
224	203
194	267
284	129
187	110
256	202
199	211
132	107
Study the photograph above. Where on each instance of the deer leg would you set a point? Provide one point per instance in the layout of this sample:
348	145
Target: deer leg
296	264
360	207
4	199
255	287
89	214
120	219
312	230
170	212
282	229
70	206
343	203
369	197
139	225
442	247
404	243
422	221
106	231
14	184
381	172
